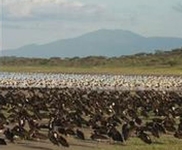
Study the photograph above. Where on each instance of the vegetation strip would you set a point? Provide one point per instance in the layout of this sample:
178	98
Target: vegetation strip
161	62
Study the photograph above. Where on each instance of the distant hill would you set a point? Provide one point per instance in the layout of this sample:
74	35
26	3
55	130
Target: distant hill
103	42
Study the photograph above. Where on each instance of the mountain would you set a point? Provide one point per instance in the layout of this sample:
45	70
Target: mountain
98	43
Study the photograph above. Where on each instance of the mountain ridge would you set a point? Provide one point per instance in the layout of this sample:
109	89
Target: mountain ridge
103	42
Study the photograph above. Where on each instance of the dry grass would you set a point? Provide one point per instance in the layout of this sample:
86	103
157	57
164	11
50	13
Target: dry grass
164	143
109	70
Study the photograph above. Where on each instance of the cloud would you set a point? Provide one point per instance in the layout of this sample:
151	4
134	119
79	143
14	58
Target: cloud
178	7
48	9
24	26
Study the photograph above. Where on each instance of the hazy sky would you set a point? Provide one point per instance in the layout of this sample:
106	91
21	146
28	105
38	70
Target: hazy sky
41	21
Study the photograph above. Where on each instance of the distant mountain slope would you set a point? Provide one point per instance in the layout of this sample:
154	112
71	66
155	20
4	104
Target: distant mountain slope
99	43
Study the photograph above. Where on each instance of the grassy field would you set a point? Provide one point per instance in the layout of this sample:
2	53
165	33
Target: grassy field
109	70
164	143
160	63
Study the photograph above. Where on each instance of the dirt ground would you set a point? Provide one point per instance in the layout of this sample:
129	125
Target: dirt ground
47	145
75	144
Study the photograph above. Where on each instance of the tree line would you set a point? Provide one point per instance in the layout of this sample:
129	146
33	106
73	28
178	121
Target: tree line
159	58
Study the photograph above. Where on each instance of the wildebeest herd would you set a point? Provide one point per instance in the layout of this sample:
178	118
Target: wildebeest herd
109	115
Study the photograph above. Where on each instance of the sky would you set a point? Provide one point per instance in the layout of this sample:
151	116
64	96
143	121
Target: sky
42	21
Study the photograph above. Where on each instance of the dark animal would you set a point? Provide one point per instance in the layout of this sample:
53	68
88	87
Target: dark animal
144	137
115	135
2	142
9	135
97	136
80	134
63	141
53	137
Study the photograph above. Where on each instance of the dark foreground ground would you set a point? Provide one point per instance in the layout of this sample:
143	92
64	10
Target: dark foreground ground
165	142
40	104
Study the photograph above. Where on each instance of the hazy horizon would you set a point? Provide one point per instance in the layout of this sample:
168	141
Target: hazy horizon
42	21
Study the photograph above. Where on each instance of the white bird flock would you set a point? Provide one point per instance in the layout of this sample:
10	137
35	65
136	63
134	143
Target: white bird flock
119	82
